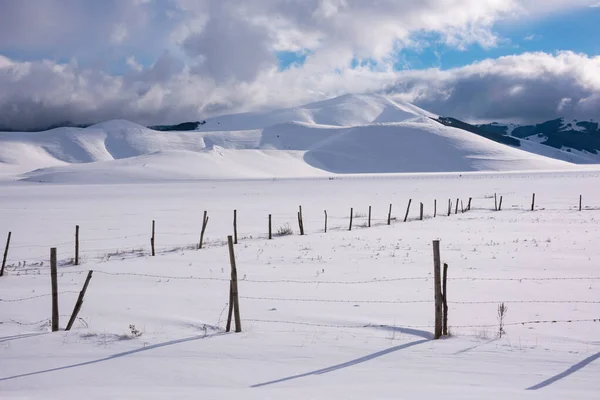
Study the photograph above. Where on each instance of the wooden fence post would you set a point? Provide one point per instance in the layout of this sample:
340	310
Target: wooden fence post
500	204
351	215
390	215
79	301
449	207
234	288
301	222
5	253
421	213
580	198
469	205
462	209
533	202
204	223
76	244
152	239
456	210
407	210
54	281
445	300
437	287
325	220
230	313
369	216
495	202
235	241
270	229
434	208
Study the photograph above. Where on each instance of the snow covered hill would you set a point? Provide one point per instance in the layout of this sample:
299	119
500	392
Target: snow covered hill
580	138
347	134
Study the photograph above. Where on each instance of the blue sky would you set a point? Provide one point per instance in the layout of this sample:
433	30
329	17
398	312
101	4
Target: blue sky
576	30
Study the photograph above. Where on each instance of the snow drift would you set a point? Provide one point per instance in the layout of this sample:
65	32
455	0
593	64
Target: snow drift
348	134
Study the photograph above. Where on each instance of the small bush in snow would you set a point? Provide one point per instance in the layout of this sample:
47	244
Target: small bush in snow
134	331
284	230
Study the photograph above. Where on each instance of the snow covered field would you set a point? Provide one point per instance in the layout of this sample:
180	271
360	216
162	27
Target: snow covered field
336	315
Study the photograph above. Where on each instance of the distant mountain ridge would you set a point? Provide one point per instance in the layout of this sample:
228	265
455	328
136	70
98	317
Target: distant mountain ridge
351	134
557	133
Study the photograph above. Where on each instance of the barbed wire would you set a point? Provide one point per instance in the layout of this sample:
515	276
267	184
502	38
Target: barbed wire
533	322
568	278
12	321
162	276
338	301
308	300
318	282
35	297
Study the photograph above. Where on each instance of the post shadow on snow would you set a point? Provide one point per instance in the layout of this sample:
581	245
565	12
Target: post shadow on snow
474	347
565	373
407	331
118	355
344	365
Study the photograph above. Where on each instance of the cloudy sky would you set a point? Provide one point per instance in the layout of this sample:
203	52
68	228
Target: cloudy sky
167	61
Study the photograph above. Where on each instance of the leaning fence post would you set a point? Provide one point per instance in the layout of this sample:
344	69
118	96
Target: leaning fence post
325	221
390	215
54	282
152	239
204	223
456	210
500	204
469	205
270	229
580	198
234	287
230	313
79	301
76	244
495	202
533	202
407	210
421	213
462	209
235	241
351	215
5	253
445	300
449	207
369	216
437	289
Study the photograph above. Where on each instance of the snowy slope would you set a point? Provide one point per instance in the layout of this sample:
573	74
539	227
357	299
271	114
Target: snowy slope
348	134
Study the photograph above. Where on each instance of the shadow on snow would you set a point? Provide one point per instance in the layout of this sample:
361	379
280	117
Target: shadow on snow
111	357
565	373
346	364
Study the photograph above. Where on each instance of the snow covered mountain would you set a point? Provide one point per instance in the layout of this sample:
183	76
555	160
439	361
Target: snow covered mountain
576	137
347	134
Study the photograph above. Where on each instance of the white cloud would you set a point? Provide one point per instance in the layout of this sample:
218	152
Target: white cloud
530	86
214	56
133	64
119	34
